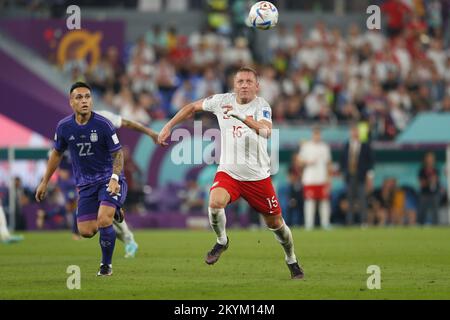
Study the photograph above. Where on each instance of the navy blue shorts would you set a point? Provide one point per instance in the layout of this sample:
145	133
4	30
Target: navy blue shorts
92	196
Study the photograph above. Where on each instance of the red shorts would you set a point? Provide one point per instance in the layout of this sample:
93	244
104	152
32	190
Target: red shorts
317	192
260	194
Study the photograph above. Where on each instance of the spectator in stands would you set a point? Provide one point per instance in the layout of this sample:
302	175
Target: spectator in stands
294	108
142	74
53	212
269	87
144	51
184	95
116	64
411	205
208	84
239	54
356	165
282	40
74	65
429	191
203	55
132	174
157	39
23	196
181	55
381	203
102	75
317	105
291	198
422	102
403	206
193	197
446	104
364	74
397	12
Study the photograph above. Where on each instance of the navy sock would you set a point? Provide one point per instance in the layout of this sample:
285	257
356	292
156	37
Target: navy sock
74	224
107	242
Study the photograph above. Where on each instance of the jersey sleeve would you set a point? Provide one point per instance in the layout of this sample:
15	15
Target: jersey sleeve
60	144
264	112
212	103
112	140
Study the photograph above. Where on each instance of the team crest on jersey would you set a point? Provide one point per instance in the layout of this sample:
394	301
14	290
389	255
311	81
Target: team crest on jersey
94	137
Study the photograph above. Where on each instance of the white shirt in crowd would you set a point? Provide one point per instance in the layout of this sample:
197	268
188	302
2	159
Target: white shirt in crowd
115	119
243	153
319	154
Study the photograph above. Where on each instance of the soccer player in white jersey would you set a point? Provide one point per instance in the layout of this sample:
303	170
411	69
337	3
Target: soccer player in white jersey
314	158
5	236
244	169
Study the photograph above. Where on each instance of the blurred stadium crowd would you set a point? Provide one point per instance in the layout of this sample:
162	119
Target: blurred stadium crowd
322	75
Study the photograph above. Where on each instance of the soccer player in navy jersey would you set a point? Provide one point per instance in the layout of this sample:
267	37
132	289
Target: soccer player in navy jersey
97	161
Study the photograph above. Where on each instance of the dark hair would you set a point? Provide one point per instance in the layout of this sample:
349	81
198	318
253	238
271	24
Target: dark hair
79	84
248	69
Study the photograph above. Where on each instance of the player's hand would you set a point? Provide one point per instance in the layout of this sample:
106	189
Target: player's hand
235	114
164	135
41	192
113	187
155	140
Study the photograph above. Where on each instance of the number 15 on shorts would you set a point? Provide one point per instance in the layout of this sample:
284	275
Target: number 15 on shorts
273	202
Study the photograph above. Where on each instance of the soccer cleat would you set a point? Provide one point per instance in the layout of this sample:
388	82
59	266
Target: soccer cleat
130	249
13	239
119	215
105	270
296	271
214	255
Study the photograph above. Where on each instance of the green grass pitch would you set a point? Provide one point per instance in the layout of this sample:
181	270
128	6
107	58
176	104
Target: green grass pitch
414	264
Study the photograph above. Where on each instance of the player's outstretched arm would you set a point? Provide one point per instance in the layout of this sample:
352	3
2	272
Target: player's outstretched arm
52	165
186	112
136	126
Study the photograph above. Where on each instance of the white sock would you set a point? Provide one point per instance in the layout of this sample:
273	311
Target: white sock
123	233
310	212
284	236
4	232
218	221
324	210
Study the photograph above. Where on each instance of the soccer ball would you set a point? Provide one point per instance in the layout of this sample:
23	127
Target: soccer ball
263	15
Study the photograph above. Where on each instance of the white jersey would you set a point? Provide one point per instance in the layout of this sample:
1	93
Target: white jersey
115	119
243	152
320	154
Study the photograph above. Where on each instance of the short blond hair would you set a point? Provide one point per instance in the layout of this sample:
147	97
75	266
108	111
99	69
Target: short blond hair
248	69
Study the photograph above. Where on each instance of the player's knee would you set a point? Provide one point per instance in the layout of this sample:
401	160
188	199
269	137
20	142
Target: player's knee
217	204
104	222
274	222
87	233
